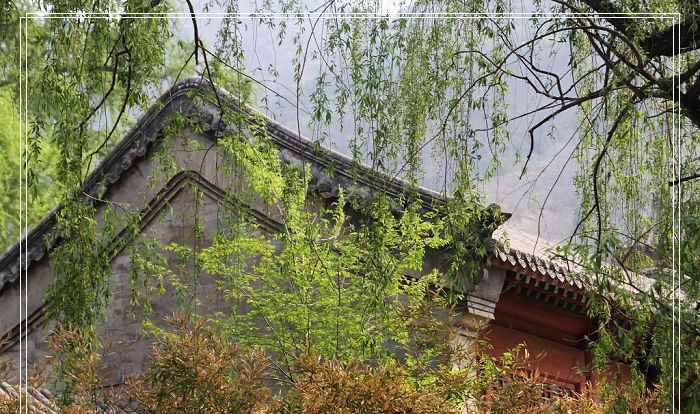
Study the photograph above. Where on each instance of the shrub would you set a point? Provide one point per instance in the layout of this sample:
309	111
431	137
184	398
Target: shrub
195	369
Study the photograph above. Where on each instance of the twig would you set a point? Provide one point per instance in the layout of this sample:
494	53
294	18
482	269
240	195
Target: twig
211	81
242	73
196	31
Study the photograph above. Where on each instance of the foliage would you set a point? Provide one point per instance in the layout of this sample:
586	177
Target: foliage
331	386
469	228
43	192
80	291
623	81
78	363
192	367
193	370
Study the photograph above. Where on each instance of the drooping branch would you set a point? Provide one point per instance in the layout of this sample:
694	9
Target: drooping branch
596	171
198	43
122	110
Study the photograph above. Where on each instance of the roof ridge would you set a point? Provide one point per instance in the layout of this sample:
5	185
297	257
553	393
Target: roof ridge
148	130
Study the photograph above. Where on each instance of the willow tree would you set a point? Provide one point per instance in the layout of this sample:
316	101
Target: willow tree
403	87
408	84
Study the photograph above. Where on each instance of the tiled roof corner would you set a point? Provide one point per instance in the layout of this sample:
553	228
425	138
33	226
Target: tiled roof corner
38	401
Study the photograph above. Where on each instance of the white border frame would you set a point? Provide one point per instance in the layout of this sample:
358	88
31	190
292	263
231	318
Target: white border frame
23	136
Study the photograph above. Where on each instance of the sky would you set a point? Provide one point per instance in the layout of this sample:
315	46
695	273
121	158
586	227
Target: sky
550	167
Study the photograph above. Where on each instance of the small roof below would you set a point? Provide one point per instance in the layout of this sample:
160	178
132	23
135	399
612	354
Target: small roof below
530	253
42	401
535	254
37	401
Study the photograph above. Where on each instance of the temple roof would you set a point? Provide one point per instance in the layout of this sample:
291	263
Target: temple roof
522	251
356	180
532	253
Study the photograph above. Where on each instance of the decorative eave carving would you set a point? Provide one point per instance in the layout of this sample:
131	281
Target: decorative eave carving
532	263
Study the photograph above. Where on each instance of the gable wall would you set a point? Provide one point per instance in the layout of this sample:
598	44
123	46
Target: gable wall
169	220
134	189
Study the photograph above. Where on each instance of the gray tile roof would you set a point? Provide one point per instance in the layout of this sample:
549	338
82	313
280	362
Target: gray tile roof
39	401
149	130
534	254
529	253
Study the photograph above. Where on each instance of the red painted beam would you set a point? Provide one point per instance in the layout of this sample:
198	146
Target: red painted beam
540	318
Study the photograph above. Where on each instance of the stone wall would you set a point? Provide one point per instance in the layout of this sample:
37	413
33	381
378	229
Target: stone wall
155	177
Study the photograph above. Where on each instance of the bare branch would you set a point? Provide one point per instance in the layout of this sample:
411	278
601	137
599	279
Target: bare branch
196	31
684	179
